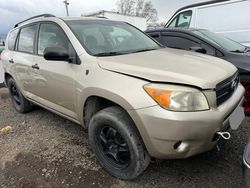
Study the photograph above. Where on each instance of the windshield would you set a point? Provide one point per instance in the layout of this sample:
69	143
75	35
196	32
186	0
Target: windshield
223	42
105	37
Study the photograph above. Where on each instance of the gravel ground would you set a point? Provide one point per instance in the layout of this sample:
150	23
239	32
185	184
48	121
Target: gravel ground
45	150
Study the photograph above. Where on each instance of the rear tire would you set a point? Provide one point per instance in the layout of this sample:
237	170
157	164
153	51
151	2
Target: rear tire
21	104
117	143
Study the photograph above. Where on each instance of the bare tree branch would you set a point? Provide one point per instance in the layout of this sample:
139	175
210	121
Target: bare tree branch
138	8
149	12
126	7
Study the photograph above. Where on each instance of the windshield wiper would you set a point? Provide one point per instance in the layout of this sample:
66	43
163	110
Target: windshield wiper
122	53
103	54
145	50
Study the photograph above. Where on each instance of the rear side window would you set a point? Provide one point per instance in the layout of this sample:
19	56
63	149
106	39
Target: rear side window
12	39
182	20
26	39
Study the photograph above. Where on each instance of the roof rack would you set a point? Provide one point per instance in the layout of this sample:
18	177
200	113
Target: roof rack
38	16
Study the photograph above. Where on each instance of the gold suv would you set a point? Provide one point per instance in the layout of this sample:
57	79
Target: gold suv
137	98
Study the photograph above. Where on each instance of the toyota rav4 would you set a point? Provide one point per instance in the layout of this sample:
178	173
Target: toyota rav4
137	99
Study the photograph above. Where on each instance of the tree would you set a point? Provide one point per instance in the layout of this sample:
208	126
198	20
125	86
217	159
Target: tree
138	8
149	12
126	7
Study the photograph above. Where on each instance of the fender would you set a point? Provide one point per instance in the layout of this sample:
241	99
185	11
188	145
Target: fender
83	95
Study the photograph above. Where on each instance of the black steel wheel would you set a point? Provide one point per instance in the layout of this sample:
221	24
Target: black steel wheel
14	93
21	104
117	143
114	147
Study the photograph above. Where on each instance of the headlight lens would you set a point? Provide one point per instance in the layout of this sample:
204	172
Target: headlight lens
177	98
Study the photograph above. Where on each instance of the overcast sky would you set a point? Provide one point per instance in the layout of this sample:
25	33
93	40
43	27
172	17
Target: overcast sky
13	11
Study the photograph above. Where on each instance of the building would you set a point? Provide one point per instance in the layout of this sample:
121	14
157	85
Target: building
139	22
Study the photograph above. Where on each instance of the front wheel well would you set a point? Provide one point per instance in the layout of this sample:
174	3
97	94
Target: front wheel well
93	105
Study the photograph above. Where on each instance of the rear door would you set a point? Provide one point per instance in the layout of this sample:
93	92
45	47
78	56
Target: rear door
22	57
53	83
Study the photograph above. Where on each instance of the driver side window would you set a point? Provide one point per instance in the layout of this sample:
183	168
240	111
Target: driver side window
51	35
182	20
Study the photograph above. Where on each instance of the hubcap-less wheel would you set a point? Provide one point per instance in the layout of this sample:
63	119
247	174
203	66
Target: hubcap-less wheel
114	147
117	144
20	103
15	94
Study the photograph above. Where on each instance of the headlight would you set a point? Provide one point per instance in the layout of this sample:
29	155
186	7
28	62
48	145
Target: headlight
177	98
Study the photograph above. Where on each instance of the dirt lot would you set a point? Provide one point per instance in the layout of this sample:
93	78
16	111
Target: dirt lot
45	150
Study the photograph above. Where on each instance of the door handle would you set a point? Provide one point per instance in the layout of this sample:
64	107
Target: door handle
11	61
35	67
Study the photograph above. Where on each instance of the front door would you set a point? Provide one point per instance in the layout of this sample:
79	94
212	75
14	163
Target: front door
54	81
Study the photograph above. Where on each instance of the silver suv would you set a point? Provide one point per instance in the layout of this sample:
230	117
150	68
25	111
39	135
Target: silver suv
136	98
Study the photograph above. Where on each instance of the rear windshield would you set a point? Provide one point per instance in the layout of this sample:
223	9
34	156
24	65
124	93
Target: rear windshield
103	37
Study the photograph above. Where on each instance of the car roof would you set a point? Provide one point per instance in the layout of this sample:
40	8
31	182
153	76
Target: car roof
201	4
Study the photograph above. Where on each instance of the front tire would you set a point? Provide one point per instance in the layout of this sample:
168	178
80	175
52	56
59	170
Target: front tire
21	104
117	143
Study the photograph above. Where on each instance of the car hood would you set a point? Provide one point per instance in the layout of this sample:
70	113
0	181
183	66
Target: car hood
171	66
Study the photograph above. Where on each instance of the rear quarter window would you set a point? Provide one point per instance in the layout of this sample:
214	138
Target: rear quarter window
12	39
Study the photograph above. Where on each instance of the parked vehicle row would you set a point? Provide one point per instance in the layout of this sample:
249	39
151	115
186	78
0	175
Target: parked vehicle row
136	98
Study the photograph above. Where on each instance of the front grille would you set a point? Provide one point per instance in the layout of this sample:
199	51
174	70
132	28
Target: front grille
226	88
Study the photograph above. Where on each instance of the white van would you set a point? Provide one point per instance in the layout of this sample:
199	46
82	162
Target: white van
225	17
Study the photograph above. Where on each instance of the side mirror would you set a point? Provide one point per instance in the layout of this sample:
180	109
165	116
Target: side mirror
198	49
56	54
